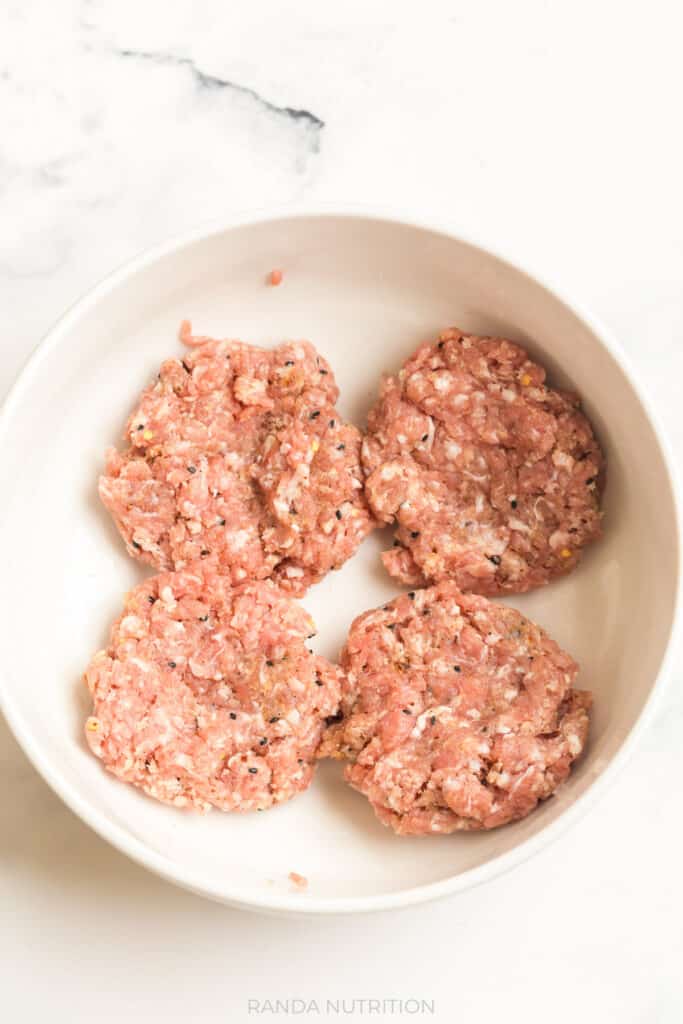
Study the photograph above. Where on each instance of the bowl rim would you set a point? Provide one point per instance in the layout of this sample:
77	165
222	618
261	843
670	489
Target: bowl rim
293	903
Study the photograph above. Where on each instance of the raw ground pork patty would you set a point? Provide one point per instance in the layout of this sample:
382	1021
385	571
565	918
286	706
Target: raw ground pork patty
457	713
493	478
238	457
207	694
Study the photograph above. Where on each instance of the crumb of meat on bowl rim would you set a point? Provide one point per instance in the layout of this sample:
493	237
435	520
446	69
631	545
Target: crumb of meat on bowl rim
299	881
275	277
456	713
238	457
207	695
493	478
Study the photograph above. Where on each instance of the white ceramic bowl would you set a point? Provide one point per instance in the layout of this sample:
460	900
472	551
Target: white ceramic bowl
365	290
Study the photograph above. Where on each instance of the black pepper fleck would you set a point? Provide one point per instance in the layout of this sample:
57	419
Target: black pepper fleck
333	423
456	668
171	664
289	362
262	742
406	711
233	715
314	415
494	558
269	663
252	771
411	595
425	437
191	469
513	503
341	447
274	719
203	618
414	534
338	513
138	547
221	522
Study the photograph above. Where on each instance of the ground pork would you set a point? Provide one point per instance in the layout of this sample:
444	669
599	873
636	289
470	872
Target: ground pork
207	694
457	713
493	479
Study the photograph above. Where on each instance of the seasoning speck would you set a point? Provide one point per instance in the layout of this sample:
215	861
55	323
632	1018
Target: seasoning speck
171	664
338	513
233	715
314	415
252	771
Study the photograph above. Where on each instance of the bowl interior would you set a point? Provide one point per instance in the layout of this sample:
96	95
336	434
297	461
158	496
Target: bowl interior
365	292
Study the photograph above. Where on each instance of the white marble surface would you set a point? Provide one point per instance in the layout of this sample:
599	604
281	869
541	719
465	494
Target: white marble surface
549	130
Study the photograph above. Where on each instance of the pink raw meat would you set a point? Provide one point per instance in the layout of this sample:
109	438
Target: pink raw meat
457	713
207	694
493	478
237	457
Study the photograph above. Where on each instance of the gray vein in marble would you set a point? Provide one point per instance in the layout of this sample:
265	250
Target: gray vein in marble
312	124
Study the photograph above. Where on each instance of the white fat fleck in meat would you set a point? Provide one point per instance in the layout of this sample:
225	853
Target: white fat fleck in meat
563	460
518	525
442	381
238	539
